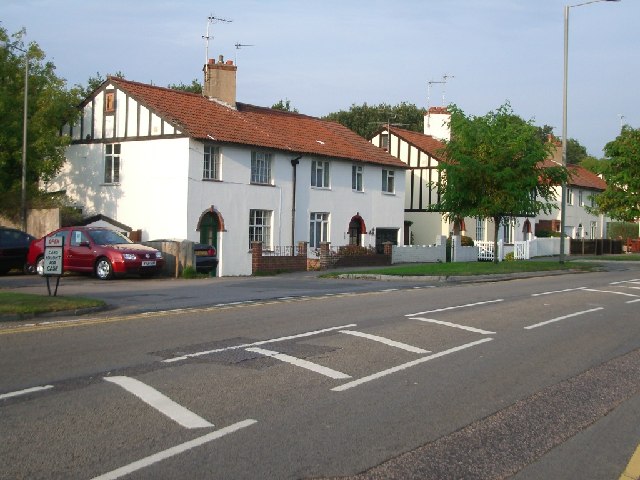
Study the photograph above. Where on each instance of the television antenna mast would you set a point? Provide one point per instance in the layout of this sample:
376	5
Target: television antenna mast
445	77
238	46
210	21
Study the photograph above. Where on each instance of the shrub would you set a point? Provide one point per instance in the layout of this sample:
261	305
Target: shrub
509	257
189	272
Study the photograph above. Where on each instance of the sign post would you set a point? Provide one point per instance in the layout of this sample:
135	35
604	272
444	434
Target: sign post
53	265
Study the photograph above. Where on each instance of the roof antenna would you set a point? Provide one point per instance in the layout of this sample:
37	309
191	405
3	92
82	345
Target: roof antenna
431	82
238	47
210	20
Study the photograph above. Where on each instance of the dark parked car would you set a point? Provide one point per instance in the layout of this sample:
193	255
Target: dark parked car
102	251
206	258
14	245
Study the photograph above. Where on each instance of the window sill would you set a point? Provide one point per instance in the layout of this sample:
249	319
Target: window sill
392	194
320	188
211	180
262	184
115	184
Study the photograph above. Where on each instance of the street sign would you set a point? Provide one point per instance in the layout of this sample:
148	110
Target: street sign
53	264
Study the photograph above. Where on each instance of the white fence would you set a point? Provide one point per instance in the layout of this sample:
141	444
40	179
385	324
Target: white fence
524	250
481	251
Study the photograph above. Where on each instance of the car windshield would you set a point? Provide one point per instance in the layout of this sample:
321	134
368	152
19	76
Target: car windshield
108	237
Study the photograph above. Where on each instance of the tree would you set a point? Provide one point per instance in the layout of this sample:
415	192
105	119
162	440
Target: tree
621	170
493	168
50	105
575	152
284	105
365	119
195	87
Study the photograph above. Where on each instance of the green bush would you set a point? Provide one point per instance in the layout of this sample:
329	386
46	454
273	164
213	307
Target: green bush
189	272
509	257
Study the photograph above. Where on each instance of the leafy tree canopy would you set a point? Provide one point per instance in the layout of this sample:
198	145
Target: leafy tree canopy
366	119
493	168
284	105
50	105
195	87
621	171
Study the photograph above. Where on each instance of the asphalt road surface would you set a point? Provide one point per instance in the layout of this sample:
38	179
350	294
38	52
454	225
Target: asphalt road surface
299	377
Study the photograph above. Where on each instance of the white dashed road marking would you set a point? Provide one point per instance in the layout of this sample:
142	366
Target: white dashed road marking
160	402
298	362
386	341
173	451
404	366
26	391
564	317
446	309
454	325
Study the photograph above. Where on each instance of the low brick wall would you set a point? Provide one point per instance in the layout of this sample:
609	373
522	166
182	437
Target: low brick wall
352	256
261	263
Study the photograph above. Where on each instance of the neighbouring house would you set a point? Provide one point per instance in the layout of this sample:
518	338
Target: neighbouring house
422	152
206	168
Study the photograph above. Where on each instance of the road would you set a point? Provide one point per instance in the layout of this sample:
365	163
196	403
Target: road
525	379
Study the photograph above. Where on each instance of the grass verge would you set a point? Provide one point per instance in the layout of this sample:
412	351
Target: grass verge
12	303
472	268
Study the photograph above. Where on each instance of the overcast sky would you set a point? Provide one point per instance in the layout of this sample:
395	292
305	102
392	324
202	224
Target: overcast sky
326	55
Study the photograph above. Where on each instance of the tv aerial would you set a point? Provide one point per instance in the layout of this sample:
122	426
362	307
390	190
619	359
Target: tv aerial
210	21
445	77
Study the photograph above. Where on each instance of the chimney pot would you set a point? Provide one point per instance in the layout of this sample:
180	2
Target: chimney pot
221	59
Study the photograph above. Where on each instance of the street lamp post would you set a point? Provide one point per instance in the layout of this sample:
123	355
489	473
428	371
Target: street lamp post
563	200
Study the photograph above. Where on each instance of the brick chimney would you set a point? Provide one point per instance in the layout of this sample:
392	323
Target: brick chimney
220	81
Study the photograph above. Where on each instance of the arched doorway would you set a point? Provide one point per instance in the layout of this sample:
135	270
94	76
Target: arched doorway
356	230
209	224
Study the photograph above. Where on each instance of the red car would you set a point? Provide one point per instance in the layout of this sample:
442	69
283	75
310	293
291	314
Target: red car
102	251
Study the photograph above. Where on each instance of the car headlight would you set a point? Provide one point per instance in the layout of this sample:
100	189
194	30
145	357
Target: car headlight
158	254
128	256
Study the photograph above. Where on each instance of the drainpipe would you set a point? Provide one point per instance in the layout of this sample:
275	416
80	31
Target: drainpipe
294	164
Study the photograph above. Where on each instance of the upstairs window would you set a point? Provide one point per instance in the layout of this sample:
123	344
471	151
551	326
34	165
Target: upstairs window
112	163
388	183
261	168
384	141
569	196
211	163
320	174
356	178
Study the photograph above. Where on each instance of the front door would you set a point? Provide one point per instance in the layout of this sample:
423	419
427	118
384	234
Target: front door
209	227
355	232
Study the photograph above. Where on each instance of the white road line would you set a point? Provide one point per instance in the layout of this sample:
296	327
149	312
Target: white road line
26	391
635	280
610	291
454	325
298	362
160	402
633	301
386	341
261	342
564	317
173	451
404	366
446	309
557	291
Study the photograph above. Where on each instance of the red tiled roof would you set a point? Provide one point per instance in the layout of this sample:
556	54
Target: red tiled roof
205	119
421	141
580	176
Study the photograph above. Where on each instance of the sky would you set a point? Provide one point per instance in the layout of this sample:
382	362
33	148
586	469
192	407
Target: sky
326	55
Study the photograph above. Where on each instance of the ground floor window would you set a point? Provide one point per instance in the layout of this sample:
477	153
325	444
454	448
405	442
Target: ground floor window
480	229
260	227
508	231
318	229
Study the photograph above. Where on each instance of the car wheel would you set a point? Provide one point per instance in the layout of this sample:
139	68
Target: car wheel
104	270
40	266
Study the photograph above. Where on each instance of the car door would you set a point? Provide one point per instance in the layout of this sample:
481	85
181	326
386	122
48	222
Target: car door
80	253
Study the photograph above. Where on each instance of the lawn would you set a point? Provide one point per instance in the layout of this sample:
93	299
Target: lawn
12	303
472	268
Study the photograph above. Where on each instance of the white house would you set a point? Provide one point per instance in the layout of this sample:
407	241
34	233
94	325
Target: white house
206	168
421	152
